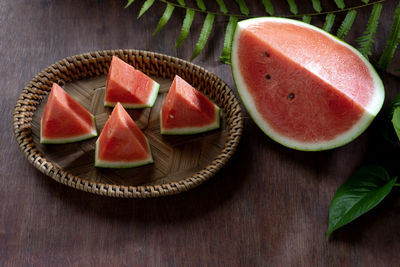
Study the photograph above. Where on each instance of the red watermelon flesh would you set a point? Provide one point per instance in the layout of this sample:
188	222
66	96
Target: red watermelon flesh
187	111
128	86
308	90
64	120
121	143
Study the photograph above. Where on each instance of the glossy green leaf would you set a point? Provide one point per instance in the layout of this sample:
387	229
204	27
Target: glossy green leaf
365	189
243	7
392	42
306	19
396	121
386	125
340	4
187	23
230	30
164	18
368	38
347	23
329	21
129	3
201	5
205	32
146	5
269	7
317	5
222	6
181	2
292	6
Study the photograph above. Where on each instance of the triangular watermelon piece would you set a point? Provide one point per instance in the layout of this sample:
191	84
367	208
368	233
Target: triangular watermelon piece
121	143
128	86
187	111
64	120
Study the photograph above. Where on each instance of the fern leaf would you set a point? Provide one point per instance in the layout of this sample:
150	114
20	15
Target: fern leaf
293	6
347	23
340	4
317	5
329	21
392	42
222	6
187	23
205	32
129	3
230	30
243	7
181	2
164	18
201	5
146	5
269	7
306	19
367	39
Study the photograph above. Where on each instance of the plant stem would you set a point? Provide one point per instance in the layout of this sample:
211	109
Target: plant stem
283	16
396	184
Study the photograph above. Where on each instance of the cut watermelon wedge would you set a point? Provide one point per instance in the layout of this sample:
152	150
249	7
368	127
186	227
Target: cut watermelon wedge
128	86
64	120
121	143
303	87
187	111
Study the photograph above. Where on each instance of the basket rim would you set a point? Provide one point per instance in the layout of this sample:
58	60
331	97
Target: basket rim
64	71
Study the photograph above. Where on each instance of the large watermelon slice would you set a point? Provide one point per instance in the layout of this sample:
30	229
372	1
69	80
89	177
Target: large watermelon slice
303	87
128	86
64	120
187	111
121	143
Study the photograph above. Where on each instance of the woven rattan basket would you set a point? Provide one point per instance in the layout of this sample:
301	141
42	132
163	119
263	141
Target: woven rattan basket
181	163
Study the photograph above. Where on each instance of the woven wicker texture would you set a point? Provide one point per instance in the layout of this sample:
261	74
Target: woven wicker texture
181	162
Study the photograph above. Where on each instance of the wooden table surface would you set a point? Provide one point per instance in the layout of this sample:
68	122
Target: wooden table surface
267	206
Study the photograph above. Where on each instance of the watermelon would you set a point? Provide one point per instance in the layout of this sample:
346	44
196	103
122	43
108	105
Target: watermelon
187	111
128	86
64	120
121	143
303	87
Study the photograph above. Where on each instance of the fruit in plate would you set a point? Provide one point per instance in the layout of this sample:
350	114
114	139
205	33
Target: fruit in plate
187	111
303	87
64	120
121	143
128	86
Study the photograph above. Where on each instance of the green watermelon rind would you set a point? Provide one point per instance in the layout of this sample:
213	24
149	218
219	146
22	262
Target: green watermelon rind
341	140
121	164
68	140
192	130
148	104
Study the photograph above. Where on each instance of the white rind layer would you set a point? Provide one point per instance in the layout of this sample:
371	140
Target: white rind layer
192	130
93	133
371	110
121	164
150	102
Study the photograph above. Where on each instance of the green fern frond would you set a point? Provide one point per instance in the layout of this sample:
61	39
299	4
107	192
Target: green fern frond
205	32
329	21
243	7
181	2
230	30
317	5
146	5
347	23
367	39
340	4
187	23
201	5
164	18
129	3
306	19
293	6
222	6
269	7
392	42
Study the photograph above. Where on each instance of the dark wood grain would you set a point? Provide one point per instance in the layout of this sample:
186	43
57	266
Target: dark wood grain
268	206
